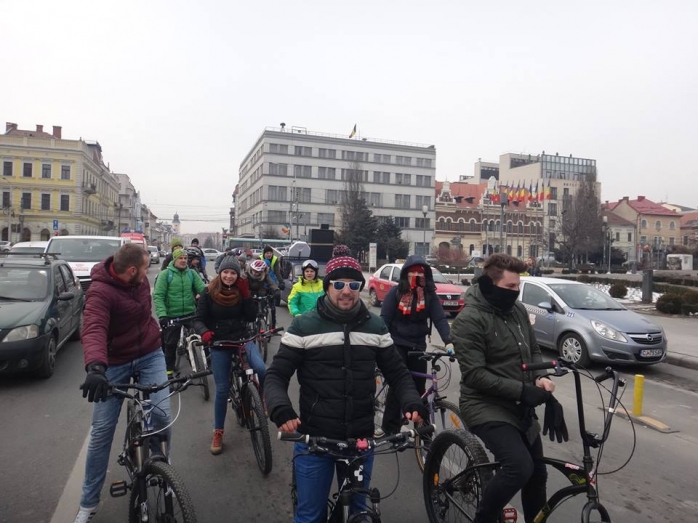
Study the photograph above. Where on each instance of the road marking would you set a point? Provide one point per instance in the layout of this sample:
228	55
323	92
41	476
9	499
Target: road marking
70	498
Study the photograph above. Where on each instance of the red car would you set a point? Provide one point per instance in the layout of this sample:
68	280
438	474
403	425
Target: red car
452	296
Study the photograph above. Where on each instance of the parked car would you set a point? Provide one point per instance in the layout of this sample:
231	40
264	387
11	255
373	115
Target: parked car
154	254
291	270
211	254
42	303
584	324
29	248
452	296
5	246
431	259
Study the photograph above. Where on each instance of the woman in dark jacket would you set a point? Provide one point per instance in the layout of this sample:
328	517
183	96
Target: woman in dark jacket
222	314
408	309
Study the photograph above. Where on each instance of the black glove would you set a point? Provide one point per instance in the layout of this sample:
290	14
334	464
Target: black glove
282	285
532	396
96	385
421	409
554	421
163	322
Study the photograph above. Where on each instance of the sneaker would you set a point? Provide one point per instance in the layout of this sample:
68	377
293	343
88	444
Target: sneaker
378	433
217	443
85	515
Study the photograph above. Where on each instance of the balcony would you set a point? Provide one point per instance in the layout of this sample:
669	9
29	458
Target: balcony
89	188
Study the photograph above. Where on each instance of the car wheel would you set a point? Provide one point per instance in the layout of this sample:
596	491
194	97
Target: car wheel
77	333
48	359
373	298
572	348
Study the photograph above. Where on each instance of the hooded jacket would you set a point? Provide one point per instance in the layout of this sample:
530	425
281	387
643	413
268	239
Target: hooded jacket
304	295
118	323
411	330
175	291
227	323
491	346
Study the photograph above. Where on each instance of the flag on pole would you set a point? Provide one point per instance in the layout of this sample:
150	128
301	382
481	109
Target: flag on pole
530	191
353	132
541	194
535	194
548	192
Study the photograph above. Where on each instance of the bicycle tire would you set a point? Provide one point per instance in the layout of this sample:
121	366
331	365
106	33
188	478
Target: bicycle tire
379	402
444	461
235	398
203	381
259	429
446	417
263	325
168	485
365	516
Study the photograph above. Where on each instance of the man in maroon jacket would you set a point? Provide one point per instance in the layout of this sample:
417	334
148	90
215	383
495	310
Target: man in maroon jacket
120	337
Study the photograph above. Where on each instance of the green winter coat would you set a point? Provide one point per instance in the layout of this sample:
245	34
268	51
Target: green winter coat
490	347
175	292
304	295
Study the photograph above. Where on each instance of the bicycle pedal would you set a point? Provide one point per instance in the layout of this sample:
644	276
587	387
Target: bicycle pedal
118	489
510	514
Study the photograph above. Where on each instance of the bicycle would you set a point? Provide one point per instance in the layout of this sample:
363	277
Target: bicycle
458	469
191	346
246	401
265	320
145	458
351	455
443	414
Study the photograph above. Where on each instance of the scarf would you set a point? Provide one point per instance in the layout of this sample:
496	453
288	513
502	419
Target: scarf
226	296
338	315
415	295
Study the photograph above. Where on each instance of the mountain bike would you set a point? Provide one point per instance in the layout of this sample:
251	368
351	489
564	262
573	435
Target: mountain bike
190	345
157	491
443	414
246	400
351	455
458	469
265	320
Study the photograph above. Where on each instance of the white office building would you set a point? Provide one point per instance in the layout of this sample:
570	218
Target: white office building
292	180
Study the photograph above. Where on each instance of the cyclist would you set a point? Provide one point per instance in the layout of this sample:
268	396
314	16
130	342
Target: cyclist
261	284
176	243
222	313
493	337
195	245
175	295
334	349
194	263
272	262
306	290
409	309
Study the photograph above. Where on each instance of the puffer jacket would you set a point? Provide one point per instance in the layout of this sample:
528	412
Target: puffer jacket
227	323
175	292
304	295
491	346
118	324
336	370
411	330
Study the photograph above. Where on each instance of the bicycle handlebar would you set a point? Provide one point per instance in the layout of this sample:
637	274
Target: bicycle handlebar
181	319
542	365
356	443
240	343
119	389
434	355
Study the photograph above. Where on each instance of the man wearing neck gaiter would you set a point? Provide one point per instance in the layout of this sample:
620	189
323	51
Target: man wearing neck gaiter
335	349
493	337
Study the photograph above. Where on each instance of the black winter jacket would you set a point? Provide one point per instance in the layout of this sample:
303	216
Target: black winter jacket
336	371
227	323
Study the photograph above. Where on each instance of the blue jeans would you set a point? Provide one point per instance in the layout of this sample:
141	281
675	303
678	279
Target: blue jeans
314	475
221	363
106	416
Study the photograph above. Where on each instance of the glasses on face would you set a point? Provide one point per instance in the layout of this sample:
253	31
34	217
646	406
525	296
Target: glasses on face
339	285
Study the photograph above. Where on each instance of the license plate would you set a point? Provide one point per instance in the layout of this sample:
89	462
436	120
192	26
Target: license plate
450	304
651	353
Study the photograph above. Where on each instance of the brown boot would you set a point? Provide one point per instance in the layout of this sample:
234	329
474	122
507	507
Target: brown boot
217	443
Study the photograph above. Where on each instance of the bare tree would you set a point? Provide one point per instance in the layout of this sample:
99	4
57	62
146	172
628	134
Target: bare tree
359	226
581	228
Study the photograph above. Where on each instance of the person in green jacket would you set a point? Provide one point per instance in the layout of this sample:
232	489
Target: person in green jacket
493	337
306	290
175	294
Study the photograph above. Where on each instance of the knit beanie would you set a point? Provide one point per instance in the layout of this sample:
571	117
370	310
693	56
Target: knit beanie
267	248
342	267
242	258
229	263
176	242
340	250
177	253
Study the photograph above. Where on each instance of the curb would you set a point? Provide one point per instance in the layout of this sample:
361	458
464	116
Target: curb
682	360
646	421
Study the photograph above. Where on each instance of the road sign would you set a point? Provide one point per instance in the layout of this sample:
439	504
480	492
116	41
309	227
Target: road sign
55	225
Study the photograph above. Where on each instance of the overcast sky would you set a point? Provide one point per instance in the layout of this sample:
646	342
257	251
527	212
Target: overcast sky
178	92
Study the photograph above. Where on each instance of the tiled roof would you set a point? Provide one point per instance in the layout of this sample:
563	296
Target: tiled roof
644	206
464	190
688	217
29	134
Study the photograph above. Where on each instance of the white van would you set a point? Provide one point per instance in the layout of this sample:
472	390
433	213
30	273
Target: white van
84	252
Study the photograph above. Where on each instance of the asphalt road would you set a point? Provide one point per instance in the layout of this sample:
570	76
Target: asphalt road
44	427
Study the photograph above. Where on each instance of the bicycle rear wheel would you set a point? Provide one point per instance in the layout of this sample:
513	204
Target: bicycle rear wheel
453	490
259	428
379	402
446	417
199	364
167	498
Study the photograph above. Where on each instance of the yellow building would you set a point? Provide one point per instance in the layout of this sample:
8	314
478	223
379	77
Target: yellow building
54	186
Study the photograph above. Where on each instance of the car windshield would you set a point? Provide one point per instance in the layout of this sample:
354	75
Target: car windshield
27	250
585	297
438	277
23	284
84	249
153	249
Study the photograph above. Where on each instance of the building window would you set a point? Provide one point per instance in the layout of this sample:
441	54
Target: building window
302	194
402	201
381	158
332	196
617	236
65	202
685	238
422	200
672	226
303	151
403	179
354	156
27	170
277	193
402	222
403	160
671	241
278	169
423	181
375	199
328	153
657	225
46	170
45	202
325	218
277	217
26	200
643	224
6	199
422	223
552	209
630	237
423	162
7	168
553	193
326	173
302	171
362	175
278	148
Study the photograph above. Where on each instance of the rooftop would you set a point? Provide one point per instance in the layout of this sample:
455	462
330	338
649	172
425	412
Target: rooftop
644	206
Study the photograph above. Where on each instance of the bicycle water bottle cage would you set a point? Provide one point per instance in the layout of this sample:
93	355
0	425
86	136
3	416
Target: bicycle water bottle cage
362	444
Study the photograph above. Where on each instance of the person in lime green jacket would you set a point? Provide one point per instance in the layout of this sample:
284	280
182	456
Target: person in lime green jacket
306	290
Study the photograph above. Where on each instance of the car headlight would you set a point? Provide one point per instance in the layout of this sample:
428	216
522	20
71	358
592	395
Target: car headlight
27	332
607	332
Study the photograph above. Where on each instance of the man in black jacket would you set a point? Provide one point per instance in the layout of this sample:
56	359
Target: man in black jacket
335	349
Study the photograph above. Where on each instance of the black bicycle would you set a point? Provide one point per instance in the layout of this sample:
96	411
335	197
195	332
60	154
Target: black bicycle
191	348
264	322
157	491
246	400
458	470
350	455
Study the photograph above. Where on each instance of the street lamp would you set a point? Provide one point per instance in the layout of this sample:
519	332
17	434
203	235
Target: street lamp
607	236
425	211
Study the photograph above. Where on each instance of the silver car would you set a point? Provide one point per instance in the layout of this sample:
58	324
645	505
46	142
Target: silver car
583	324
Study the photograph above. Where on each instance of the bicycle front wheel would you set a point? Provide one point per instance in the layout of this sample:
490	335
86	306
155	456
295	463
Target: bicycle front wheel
166	497
452	486
203	381
259	428
235	398
446	417
263	325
